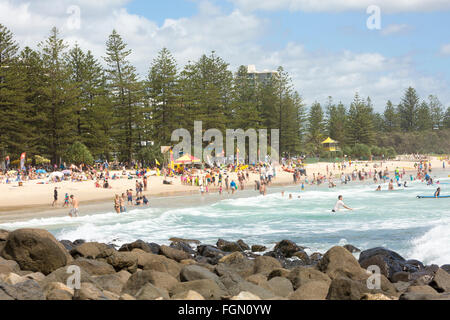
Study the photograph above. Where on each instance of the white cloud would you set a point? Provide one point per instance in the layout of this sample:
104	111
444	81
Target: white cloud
445	49
395	29
235	36
389	6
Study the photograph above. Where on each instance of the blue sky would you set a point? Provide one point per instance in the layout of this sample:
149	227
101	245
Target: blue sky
325	45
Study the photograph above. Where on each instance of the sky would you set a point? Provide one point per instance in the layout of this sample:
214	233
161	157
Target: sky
326	45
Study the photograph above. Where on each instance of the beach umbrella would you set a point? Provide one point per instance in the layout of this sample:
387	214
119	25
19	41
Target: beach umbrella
41	171
187	158
56	174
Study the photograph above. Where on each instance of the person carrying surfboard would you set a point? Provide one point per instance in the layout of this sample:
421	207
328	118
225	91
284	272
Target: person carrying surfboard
340	204
437	194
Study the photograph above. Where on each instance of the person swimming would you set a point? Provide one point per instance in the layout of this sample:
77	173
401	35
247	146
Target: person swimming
379	188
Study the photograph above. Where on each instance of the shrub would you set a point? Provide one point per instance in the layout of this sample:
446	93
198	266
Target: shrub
78	153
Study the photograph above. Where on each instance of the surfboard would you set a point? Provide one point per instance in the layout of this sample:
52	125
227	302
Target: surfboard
431	197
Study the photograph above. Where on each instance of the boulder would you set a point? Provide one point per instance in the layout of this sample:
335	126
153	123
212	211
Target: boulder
401	286
302	275
111	295
287	248
183	247
423	296
7	266
228	246
280	272
188	241
343	288
212	253
446	267
89	291
174	254
351	248
110	282
150	292
12	278
59	295
243	245
311	290
127	297
92	250
266	265
58	286
376	296
195	272
303	256
67	244
238	263
93	267
389	261
235	284
281	287
315	258
148	261
401	276
28	290
258	279
338	261
245	296
36	276
35	250
3	235
62	275
209	289
441	281
258	248
139	244
413	266
138	280
189	295
123	261
422	290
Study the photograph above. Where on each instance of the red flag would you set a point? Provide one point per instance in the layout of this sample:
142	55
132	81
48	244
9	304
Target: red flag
22	160
23	155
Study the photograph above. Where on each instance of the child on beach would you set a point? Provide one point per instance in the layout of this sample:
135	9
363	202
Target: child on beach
66	200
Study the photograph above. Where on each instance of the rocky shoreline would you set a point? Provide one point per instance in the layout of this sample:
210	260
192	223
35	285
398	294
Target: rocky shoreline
35	266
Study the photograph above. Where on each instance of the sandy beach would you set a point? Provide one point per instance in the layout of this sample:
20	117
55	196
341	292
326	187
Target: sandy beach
34	200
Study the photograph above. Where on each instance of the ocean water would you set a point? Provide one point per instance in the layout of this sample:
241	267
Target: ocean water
415	228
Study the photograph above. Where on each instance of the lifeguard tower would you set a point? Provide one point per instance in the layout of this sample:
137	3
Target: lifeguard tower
330	145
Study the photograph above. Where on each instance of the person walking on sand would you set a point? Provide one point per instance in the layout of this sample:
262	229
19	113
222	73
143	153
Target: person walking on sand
75	204
340	204
55	197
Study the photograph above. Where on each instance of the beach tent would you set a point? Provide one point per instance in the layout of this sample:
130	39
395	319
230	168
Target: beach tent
56	174
186	159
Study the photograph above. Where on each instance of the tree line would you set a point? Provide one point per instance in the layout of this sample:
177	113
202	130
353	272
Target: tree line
55	95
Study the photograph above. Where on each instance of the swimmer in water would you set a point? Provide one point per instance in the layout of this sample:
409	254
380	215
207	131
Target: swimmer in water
379	188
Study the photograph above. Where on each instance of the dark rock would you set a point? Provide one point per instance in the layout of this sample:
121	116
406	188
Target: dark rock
243	245
183	247
279	273
35	250
28	290
239	263
287	248
193	272
441	281
228	246
413	266
446	267
139	244
185	240
214	254
421	278
155	248
110	282
79	242
67	244
315	258
351	248
388	261
235	284
258	248
423	296
303	256
174	254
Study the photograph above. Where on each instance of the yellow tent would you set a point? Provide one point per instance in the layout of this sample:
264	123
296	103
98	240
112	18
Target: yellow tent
329	141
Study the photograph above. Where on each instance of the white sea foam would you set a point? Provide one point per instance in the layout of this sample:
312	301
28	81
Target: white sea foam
433	246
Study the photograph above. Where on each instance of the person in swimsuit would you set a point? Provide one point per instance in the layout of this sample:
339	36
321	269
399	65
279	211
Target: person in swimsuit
117	204
437	194
74	211
55	197
340	204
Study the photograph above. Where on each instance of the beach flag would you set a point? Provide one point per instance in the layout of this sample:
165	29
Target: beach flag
172	165
22	161
157	162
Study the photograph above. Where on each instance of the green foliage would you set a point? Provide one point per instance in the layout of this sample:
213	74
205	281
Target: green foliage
78	154
361	151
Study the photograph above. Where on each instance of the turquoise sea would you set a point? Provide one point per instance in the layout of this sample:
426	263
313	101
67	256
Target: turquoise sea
417	229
